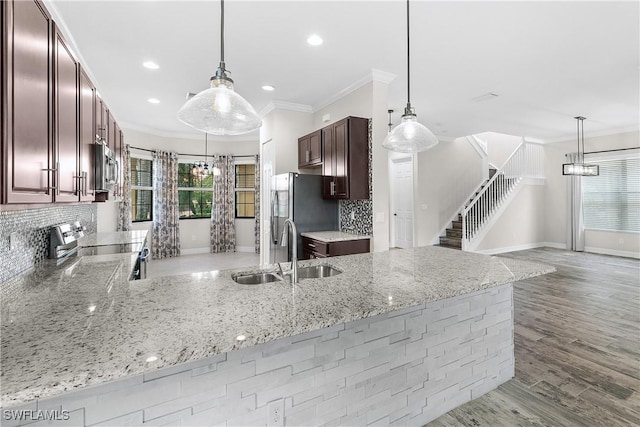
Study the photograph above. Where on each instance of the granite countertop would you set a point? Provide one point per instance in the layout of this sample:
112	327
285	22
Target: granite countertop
113	238
65	328
333	236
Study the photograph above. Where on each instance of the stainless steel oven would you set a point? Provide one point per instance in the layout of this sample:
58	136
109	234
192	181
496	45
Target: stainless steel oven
107	168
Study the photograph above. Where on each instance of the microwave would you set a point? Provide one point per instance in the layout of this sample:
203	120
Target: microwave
107	168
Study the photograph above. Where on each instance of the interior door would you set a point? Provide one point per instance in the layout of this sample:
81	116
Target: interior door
402	182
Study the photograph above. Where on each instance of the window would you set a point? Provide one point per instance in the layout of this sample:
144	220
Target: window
612	200
246	190
141	189
195	193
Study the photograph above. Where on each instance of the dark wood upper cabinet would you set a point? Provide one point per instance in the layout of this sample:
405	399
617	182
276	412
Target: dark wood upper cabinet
345	167
27	100
102	120
87	134
65	72
310	150
111	131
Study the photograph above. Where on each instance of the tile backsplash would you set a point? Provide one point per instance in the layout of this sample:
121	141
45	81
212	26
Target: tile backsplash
362	222
30	229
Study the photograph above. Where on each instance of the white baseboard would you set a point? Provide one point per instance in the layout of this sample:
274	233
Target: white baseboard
495	251
555	245
590	249
604	251
196	251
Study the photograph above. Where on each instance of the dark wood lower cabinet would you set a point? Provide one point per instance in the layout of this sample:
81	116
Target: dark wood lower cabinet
312	248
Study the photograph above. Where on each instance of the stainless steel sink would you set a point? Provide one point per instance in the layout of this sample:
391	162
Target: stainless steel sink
255	278
317	271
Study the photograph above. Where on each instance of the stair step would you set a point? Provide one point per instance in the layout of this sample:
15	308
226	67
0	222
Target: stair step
451	242
457	225
455	233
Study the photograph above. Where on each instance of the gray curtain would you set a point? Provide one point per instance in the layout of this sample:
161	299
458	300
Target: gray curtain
256	231
166	213
124	217
223	225
575	214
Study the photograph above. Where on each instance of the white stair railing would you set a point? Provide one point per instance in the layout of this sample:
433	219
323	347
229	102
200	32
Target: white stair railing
526	160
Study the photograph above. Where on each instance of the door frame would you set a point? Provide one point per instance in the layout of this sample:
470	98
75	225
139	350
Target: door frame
393	160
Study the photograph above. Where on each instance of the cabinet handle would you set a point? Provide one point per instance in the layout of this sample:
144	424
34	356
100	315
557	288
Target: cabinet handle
85	179
56	169
79	184
308	156
311	245
333	188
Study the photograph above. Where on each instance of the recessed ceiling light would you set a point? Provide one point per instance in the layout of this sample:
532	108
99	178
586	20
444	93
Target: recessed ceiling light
152	359
268	88
153	101
150	65
314	40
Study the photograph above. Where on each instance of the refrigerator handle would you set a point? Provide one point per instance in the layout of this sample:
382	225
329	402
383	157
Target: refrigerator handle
274	222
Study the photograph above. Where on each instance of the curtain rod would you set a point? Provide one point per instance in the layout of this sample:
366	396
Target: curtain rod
193	155
610	151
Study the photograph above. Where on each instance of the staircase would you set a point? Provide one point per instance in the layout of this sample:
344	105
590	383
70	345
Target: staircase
453	237
525	161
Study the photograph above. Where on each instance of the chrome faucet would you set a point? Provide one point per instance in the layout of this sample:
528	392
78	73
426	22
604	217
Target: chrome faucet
294	249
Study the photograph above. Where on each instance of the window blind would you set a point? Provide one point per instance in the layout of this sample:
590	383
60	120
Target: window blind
612	200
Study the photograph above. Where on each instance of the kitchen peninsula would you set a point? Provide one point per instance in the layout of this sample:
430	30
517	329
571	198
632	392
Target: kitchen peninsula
399	336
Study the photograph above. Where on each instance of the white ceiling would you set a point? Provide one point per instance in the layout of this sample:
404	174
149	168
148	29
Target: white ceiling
548	60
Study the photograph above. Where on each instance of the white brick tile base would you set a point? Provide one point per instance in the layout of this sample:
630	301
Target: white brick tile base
402	368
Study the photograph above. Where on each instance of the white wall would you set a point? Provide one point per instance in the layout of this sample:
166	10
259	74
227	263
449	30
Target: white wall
194	233
520	225
500	146
446	175
620	243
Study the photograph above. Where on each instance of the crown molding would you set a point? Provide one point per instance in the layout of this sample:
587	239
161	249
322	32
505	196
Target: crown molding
606	132
373	75
283	105
191	136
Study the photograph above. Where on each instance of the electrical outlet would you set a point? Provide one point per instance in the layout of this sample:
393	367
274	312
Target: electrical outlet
353	215
276	414
423	206
621	240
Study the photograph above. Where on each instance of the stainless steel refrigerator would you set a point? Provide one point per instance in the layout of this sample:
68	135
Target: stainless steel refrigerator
298	197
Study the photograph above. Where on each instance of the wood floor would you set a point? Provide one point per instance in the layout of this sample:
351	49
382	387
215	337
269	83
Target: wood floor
577	347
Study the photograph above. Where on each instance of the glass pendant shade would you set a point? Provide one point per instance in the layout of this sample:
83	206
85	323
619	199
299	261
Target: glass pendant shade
409	136
219	110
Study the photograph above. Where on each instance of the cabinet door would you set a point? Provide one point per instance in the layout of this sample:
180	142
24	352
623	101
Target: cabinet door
102	121
341	156
27	94
303	151
66	122
87	134
315	148
328	164
111	131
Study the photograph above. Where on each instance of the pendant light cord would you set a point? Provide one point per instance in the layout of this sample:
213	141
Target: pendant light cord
222	31
408	62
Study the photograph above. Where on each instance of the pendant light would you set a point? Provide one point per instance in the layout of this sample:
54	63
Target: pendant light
409	136
201	169
579	167
219	110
